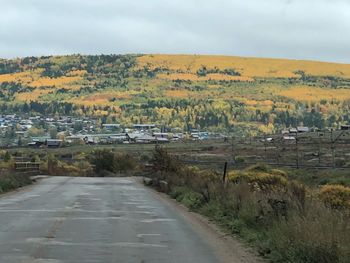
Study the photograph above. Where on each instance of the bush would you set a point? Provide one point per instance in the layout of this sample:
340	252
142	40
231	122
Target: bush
11	181
102	160
162	161
108	161
123	163
239	159
187	197
335	196
259	180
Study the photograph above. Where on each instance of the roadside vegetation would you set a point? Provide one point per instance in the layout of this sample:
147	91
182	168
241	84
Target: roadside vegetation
10	181
284	219
287	215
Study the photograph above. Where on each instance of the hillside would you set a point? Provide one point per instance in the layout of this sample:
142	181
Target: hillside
185	91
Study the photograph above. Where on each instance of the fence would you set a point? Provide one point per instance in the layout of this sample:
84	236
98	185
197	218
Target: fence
27	167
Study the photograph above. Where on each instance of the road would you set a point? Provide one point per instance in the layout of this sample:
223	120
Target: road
66	219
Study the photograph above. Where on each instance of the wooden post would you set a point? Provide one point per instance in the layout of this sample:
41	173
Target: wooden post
224	175
333	149
319	151
265	152
297	149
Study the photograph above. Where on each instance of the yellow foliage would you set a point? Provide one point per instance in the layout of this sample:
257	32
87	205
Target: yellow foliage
260	180
248	67
337	196
305	93
176	93
32	95
103	98
21	77
194	77
33	78
57	82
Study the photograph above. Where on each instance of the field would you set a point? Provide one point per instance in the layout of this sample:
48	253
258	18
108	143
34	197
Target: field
246	96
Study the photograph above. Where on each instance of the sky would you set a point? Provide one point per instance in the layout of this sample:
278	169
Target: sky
295	29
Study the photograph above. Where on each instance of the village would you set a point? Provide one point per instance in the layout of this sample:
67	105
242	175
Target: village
54	132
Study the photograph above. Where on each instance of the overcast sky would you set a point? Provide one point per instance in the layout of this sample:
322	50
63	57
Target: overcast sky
297	29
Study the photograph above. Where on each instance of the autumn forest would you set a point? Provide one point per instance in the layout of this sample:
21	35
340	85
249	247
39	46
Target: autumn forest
215	93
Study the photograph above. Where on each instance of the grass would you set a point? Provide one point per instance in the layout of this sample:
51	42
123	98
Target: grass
320	177
11	181
282	218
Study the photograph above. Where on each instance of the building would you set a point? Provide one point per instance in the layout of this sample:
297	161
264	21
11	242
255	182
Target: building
144	126
303	129
345	127
53	143
111	127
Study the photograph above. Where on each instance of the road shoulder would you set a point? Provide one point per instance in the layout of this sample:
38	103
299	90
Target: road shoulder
227	248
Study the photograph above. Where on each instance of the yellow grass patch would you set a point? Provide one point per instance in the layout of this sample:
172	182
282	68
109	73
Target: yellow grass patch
194	77
249	67
176	94
103	98
32	95
57	82
305	93
261	103
21	77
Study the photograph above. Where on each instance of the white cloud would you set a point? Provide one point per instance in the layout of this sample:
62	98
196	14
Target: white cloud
300	29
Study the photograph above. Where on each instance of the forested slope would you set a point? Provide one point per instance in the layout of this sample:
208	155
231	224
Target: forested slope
185	91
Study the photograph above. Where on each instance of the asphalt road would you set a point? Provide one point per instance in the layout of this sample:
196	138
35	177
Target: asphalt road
87	220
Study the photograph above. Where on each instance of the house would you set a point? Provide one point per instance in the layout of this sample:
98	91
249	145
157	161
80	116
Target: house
161	135
303	129
41	140
53	143
146	138
345	127
293	130
288	138
144	126
162	140
118	138
111	127
34	144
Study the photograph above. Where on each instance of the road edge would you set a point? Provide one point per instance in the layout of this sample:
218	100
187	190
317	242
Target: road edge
227	248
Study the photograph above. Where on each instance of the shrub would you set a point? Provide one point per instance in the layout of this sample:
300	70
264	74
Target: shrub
162	161
108	161
187	197
102	160
259	180
11	181
335	196
7	156
239	159
123	163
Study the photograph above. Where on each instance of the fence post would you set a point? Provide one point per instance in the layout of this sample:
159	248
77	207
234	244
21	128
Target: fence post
265	151
297	149
224	175
333	149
